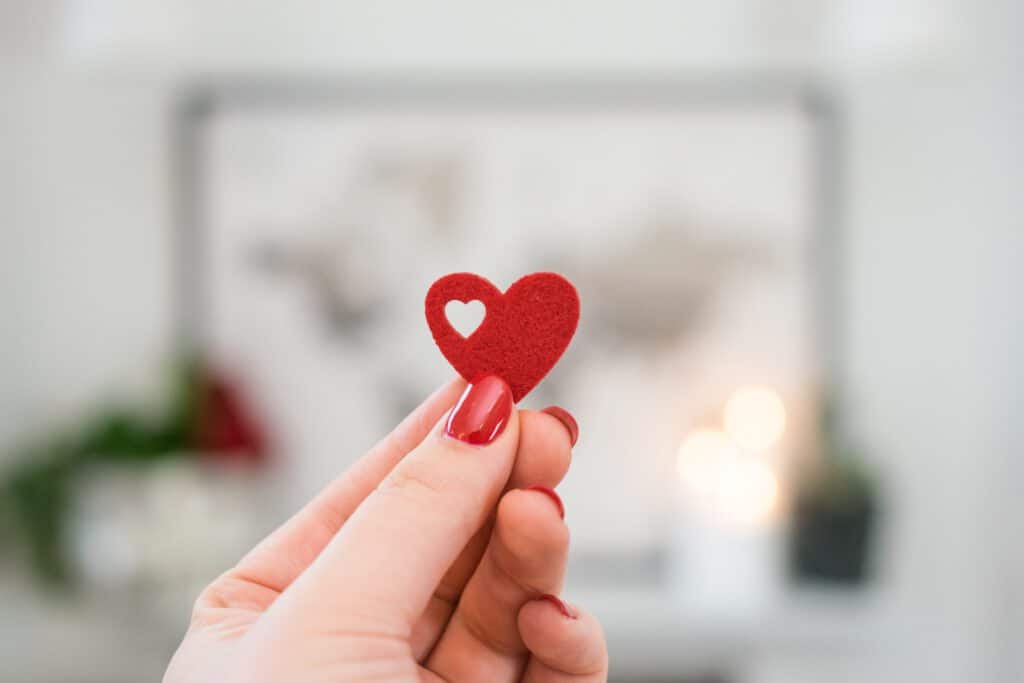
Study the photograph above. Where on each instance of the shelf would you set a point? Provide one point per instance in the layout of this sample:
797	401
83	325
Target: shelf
649	633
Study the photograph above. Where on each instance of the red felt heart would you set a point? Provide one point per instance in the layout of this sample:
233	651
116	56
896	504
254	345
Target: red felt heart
524	331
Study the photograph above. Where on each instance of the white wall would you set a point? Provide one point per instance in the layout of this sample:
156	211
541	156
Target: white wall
933	106
86	241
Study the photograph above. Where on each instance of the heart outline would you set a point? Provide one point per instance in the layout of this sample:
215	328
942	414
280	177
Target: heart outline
525	330
465	313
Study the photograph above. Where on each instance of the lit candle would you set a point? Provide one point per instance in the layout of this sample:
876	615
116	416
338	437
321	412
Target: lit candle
724	483
755	418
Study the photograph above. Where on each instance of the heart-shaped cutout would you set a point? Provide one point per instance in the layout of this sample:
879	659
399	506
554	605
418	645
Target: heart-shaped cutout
524	331
465	317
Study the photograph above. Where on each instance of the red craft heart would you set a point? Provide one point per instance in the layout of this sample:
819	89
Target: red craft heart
524	331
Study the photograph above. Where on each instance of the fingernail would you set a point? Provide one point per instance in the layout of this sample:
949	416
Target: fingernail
550	493
566	418
482	412
566	611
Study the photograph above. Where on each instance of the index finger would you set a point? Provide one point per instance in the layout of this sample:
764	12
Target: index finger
393	551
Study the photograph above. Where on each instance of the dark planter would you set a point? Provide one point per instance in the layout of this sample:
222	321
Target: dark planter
831	543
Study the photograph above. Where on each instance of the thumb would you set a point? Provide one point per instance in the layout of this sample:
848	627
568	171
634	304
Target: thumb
388	558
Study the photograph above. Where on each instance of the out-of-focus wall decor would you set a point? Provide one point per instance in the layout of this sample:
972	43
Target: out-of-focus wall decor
691	218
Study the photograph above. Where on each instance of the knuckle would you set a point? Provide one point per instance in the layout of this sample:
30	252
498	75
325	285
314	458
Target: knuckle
416	481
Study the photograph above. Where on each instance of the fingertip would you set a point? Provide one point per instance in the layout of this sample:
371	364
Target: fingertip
552	495
482	412
529	526
564	608
567	420
544	452
562	636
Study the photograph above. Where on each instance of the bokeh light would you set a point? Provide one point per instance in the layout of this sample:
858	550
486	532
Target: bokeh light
701	456
747	490
755	418
724	481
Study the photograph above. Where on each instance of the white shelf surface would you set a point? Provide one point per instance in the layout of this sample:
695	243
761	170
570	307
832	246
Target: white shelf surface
650	634
46	639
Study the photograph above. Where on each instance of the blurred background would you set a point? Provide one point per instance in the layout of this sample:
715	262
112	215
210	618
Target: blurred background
793	226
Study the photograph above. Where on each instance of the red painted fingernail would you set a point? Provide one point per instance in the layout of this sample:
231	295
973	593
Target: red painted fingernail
566	418
482	412
550	493
562	607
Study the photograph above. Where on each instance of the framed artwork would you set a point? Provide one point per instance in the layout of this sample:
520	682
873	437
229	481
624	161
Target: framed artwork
695	219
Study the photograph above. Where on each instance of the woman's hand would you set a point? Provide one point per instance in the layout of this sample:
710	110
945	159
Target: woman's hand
436	557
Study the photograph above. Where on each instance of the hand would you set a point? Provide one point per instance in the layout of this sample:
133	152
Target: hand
430	559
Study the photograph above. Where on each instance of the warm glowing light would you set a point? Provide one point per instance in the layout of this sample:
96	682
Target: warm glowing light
701	456
724	481
747	490
755	418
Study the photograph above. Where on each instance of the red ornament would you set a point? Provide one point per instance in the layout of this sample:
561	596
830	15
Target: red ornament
524	331
226	429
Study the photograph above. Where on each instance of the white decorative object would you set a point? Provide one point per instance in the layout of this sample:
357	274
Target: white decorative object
165	528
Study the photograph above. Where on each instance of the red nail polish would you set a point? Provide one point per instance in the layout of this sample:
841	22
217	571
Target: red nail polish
566	418
562	607
482	412
550	493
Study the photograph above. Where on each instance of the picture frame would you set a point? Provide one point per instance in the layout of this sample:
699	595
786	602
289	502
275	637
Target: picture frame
201	107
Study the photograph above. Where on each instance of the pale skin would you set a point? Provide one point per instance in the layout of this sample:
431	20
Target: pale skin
426	561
